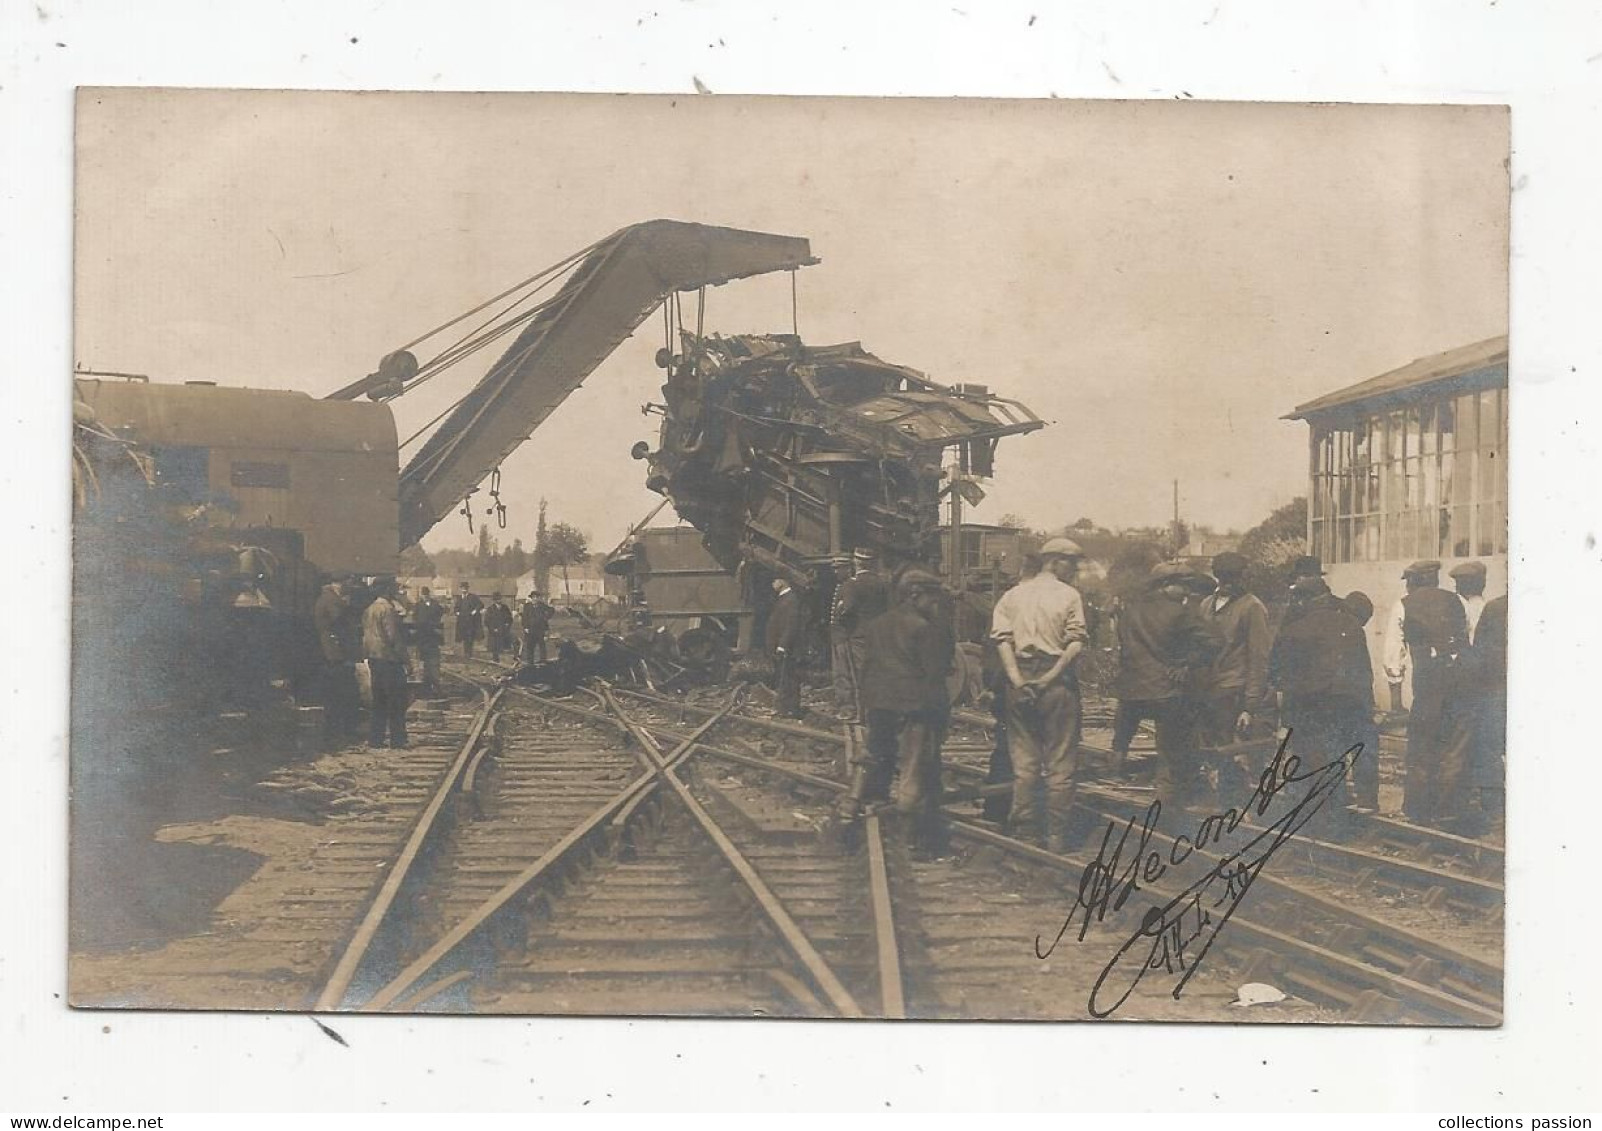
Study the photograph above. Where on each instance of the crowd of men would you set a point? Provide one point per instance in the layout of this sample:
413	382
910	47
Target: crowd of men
1198	659
372	625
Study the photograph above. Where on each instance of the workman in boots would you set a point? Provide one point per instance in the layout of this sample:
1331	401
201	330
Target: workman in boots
338	639
1039	631
428	625
497	627
904	698
385	649
786	638
1427	632
857	602
469	612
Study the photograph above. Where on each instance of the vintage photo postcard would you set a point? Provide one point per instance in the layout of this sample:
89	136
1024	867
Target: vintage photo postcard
789	557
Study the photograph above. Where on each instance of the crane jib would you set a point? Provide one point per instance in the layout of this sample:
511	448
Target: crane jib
606	296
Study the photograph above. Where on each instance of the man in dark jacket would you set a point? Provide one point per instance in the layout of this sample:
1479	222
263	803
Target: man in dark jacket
469	612
1321	667
1163	644
497	627
337	631
1485	697
428	625
786	637
1434	631
857	601
904	698
1235	684
535	620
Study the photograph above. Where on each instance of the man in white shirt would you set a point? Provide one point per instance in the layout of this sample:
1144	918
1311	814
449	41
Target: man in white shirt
1039	630
1469	579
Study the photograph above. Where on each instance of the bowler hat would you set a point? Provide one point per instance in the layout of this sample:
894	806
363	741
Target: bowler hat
1306	566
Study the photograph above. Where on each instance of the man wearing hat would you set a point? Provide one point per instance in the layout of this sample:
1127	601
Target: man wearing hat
535	619
1469	579
1427	631
1301	568
469	610
428	624
785	637
497	627
903	689
1164	644
1038	628
385	650
1236	682
857	601
1320	666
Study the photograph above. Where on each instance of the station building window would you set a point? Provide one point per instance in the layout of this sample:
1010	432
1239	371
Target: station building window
1425	480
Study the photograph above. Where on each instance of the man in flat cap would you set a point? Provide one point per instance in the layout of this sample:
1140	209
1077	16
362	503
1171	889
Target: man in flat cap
1469	579
1320	667
1038	628
785	638
1426	632
1235	684
1303	567
858	599
1164	643
903	692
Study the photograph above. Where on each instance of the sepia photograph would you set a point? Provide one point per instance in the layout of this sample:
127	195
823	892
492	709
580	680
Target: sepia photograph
789	557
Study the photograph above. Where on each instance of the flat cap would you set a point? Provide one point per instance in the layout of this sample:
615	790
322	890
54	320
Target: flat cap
1229	564
1062	548
1469	569
1306	566
1422	568
916	579
1359	605
1177	573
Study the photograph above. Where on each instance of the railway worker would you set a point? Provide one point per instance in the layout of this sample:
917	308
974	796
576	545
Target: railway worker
385	649
1365	775
785	639
497	627
1427	631
1235	684
1039	631
1469	580
428	623
904	699
534	617
469	612
860	598
1321	669
1164	643
336	625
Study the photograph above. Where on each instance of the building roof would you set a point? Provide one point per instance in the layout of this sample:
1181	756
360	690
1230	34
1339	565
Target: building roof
1478	364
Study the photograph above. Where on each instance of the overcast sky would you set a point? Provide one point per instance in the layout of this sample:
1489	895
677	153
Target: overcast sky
1161	280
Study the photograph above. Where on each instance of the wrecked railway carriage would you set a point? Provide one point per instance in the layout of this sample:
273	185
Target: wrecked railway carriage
784	455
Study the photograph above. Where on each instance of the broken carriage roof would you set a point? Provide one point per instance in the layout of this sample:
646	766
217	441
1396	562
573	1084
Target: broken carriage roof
1479	365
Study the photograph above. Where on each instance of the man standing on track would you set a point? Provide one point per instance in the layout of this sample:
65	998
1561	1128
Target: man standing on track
1039	630
786	637
337	628
1163	643
428	620
535	620
903	692
497	627
385	649
469	620
1236	682
1428	630
857	602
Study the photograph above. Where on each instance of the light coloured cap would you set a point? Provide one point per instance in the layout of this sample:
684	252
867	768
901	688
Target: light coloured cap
780	585
1061	548
1258	993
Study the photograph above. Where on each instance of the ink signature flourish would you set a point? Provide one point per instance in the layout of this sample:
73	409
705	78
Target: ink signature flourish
1174	938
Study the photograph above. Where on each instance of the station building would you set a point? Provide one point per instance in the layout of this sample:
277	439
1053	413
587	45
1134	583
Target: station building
1410	464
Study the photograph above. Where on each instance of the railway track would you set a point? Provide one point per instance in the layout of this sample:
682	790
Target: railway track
556	873
1342	955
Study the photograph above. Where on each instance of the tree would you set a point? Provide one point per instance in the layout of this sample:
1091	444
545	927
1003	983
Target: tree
1269	547
542	553
1010	521
1082	525
565	545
